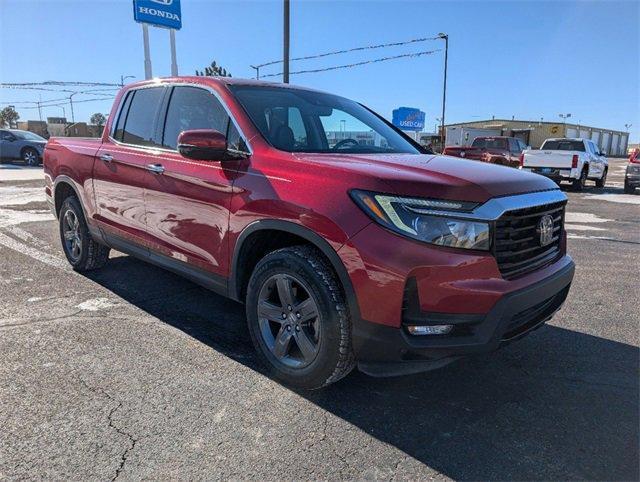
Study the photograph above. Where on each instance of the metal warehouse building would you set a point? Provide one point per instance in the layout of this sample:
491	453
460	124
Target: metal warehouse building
533	133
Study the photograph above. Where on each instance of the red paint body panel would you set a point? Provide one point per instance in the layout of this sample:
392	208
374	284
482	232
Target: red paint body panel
196	210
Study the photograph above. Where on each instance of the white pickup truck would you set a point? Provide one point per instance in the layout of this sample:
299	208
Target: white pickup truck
573	160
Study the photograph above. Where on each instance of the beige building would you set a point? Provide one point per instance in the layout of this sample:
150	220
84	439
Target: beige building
533	133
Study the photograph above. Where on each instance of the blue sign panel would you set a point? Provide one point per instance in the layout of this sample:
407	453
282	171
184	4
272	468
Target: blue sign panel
408	119
163	13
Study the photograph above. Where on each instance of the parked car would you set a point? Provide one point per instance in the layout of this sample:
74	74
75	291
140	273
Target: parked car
632	174
360	253
25	145
573	160
494	150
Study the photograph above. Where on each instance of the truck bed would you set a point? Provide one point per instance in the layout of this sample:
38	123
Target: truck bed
553	159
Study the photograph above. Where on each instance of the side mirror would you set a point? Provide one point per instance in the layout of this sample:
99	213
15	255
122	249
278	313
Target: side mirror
10	138
203	144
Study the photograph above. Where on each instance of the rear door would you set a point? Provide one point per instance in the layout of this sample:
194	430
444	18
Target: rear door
9	145
188	203
121	170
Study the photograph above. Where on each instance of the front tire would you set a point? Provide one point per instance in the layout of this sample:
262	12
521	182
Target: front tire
298	318
81	250
628	188
603	180
30	156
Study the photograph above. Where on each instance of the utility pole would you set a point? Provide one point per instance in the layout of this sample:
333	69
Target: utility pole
444	87
257	69
285	53
39	108
147	56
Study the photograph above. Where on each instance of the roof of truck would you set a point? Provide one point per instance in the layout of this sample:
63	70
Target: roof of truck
222	80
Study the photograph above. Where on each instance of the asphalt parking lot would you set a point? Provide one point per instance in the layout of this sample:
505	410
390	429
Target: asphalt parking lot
132	372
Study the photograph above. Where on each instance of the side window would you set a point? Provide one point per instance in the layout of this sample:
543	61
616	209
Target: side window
234	140
513	145
192	108
141	119
293	138
118	131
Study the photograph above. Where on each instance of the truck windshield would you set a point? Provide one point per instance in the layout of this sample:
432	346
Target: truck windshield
297	120
490	143
563	145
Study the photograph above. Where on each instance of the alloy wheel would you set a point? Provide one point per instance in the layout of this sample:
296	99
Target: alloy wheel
30	157
71	232
289	319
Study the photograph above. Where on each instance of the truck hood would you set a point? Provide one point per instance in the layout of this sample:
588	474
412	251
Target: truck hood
440	177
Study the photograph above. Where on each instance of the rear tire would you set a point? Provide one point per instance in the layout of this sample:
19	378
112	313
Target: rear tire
81	250
603	180
578	184
298	318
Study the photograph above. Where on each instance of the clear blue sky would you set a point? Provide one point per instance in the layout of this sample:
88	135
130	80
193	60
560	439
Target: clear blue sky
522	59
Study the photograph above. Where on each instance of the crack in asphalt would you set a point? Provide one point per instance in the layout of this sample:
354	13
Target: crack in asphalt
132	440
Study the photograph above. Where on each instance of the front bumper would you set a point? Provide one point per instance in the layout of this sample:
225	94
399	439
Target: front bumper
385	351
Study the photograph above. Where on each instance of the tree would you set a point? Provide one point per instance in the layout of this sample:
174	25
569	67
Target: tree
98	119
214	70
8	116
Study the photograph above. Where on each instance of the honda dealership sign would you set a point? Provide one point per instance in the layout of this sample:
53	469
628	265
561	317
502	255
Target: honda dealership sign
408	119
162	13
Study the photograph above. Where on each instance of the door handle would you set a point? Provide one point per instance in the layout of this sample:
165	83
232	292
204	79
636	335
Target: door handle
155	168
106	157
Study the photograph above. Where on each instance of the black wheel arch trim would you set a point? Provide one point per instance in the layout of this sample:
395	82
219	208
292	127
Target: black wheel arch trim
62	179
315	239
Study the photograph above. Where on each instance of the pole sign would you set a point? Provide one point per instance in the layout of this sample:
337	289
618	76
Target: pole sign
408	119
161	13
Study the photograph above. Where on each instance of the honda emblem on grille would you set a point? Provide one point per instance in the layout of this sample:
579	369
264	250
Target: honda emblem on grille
545	230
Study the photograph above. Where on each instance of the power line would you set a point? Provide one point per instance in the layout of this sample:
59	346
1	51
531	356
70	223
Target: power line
66	103
58	83
357	64
356	49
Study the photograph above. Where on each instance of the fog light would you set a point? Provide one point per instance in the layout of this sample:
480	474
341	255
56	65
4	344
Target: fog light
429	330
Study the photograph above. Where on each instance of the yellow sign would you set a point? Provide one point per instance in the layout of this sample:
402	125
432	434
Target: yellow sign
554	129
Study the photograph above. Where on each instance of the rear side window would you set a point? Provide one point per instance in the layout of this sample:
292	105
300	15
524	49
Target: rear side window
122	117
140	122
192	108
563	145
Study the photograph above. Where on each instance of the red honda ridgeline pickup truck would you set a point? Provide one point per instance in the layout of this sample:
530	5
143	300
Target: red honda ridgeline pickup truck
345	251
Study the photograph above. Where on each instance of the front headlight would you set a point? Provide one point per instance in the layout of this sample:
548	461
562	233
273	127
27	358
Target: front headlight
428	220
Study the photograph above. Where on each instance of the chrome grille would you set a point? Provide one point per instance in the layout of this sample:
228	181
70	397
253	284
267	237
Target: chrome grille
517	241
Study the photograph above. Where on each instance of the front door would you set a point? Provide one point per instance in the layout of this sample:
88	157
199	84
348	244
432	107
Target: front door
121	170
188	201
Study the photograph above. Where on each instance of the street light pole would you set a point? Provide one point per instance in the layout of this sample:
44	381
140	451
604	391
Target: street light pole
73	119
285	53
444	87
125	77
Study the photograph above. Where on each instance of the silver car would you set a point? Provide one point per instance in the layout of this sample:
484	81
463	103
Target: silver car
25	145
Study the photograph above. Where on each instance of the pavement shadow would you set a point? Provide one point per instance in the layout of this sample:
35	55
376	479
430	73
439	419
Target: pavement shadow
557	405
